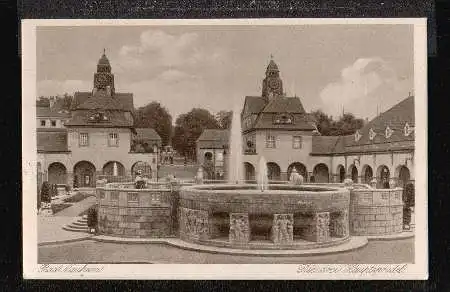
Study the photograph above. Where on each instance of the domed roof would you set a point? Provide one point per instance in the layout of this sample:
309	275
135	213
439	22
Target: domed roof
104	60
272	66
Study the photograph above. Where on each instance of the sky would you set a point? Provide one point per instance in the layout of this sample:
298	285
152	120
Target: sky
363	69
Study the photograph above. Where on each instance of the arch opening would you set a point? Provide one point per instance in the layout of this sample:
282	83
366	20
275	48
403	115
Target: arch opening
341	173
57	173
84	175
143	167
249	170
321	173
273	171
113	168
300	167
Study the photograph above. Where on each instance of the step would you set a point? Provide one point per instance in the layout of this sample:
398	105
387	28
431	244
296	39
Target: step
67	228
77	227
79	223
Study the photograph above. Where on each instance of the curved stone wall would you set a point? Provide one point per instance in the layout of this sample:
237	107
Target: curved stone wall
127	212
376	211
236	215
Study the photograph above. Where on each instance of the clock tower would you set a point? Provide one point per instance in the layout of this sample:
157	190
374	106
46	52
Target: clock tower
272	84
103	78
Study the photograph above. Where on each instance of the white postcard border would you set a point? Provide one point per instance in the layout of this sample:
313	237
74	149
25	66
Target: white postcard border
31	270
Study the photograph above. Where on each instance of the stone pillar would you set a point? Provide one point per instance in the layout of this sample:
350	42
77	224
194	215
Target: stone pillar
283	229
284	176
319	230
194	223
239	228
339	226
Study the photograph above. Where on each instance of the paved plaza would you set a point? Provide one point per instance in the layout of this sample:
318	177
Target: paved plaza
89	251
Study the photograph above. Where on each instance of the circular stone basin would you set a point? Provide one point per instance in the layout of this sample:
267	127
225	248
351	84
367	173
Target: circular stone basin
241	215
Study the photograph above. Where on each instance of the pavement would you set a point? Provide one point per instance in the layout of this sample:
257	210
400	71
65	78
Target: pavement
77	208
355	242
50	230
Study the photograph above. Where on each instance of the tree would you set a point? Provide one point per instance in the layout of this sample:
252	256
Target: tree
323	121
224	119
189	126
155	116
346	125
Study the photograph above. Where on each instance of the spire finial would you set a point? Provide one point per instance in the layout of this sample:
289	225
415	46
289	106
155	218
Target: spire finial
104	51
271	56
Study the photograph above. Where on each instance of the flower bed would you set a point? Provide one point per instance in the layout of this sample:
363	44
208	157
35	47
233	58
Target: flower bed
78	197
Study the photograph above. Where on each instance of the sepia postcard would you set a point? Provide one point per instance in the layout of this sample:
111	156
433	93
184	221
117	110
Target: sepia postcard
225	149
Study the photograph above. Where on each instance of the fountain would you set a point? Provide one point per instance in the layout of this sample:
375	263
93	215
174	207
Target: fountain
235	166
262	178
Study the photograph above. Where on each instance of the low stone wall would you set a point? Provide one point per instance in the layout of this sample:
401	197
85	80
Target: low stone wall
135	212
376	211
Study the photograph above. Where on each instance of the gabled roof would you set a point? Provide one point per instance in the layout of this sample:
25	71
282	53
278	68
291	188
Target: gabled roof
253	104
84	100
51	140
284	105
146	134
213	138
43	109
115	119
396	118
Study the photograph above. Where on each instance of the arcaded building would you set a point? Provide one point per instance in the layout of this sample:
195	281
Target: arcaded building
279	128
96	138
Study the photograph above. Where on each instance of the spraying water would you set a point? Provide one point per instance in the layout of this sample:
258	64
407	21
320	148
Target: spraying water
262	178
235	165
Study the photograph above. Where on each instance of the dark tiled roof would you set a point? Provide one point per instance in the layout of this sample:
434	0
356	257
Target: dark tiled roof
146	134
253	104
52	140
213	138
84	100
284	105
115	119
396	118
43	109
324	144
79	98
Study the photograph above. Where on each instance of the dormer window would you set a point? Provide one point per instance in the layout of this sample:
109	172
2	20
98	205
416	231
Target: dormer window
372	134
388	132
98	117
357	136
283	119
408	129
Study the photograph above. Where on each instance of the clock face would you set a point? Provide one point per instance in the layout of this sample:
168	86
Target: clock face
274	83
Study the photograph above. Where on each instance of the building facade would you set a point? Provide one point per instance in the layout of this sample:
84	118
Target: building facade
98	138
278	128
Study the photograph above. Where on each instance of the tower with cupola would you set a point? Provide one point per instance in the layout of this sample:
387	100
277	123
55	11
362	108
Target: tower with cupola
272	84
103	78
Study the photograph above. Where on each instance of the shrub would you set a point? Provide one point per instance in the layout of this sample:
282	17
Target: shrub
408	195
92	220
46	192
78	197
54	190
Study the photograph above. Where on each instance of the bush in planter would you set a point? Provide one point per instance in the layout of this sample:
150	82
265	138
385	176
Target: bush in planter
54	190
92	220
46	192
408	195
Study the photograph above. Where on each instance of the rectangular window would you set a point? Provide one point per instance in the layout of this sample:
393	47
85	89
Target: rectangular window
270	141
133	197
83	139
297	142
53	123
42	123
114	195
113	139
